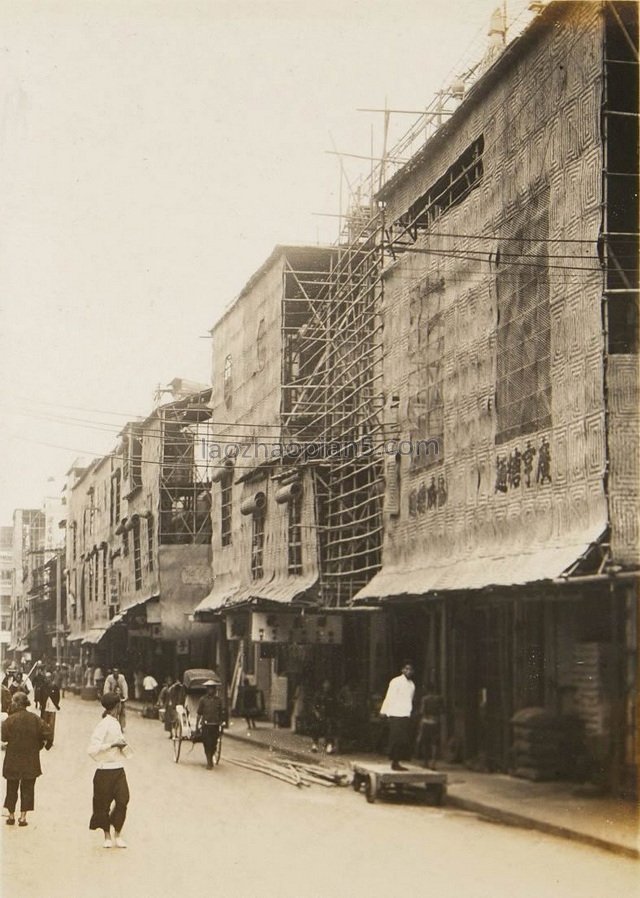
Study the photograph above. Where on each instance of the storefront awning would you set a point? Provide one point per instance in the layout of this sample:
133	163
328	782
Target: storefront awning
283	592
121	615
538	565
94	636
76	637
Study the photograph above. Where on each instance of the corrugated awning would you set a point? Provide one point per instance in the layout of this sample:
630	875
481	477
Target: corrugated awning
94	636
122	615
519	569
282	591
132	607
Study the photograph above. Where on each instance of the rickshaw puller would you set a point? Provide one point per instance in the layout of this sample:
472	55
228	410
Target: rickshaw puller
210	717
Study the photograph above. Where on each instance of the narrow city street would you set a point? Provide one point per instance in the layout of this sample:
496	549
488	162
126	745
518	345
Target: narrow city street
193	831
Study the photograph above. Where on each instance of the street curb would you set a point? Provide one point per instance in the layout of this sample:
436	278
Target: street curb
488	812
508	818
292	753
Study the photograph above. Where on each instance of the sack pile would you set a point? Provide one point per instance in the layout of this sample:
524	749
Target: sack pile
544	745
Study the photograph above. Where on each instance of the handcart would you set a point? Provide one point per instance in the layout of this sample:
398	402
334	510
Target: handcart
183	725
380	778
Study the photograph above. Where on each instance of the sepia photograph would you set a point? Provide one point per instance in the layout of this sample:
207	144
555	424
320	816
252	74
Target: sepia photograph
319	448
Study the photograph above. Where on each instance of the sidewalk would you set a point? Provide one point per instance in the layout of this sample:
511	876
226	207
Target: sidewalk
608	823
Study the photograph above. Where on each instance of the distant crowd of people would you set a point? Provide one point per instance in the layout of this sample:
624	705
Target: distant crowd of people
30	702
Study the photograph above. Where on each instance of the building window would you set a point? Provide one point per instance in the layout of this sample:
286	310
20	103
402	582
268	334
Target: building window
135	457
137	553
227	381
294	511
74	540
115	498
620	128
257	544
523	383
426	352
150	542
105	574
226	498
125	543
452	188
261	345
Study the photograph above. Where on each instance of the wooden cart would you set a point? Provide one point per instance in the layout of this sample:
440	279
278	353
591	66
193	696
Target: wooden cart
378	778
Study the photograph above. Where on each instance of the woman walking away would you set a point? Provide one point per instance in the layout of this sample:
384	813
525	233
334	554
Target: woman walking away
25	735
108	748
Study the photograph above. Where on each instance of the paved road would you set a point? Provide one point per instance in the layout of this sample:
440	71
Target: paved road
193	831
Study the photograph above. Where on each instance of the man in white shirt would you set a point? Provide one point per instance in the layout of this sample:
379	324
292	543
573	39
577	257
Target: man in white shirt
149	685
397	707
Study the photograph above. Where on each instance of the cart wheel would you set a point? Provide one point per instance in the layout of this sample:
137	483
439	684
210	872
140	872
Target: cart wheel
371	788
357	782
216	757
436	793
176	736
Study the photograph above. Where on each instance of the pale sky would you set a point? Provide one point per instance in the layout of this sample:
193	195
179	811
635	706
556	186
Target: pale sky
152	153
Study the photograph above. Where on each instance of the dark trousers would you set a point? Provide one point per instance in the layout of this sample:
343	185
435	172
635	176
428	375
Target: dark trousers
428	741
49	717
399	738
27	794
109	786
210	736
323	728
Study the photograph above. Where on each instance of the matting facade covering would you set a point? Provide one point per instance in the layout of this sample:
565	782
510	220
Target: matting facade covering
493	343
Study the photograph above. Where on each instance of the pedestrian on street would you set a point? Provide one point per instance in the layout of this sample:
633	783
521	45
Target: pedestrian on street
297	710
65	679
428	738
6	700
117	684
25	735
397	707
175	696
20	683
324	718
250	703
210	716
149	685
49	696
98	680
108	748
37	678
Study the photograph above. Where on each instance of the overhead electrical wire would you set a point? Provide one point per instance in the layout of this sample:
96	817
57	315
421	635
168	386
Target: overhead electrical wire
467	255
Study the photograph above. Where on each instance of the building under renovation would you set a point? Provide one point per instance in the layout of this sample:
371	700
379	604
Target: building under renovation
479	351
268	496
138	544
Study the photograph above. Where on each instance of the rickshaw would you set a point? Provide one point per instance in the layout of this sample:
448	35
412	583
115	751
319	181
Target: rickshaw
183	726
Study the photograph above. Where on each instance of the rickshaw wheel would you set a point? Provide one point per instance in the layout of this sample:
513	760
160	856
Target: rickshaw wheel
371	788
176	736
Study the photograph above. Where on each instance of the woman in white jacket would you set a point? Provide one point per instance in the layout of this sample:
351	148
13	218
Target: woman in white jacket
108	748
